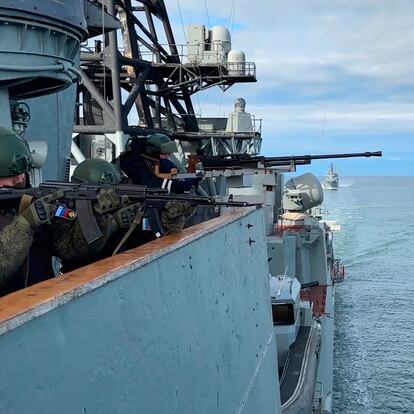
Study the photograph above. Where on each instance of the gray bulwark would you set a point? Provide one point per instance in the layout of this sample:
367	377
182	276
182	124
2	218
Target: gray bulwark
180	325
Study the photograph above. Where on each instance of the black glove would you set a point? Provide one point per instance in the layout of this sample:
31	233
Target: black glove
42	210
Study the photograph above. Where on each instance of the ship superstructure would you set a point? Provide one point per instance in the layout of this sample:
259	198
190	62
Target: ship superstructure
331	181
233	315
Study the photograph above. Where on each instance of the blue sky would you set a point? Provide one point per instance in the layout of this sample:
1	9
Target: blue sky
333	76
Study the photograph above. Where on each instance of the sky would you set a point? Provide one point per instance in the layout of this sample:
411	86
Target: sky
332	76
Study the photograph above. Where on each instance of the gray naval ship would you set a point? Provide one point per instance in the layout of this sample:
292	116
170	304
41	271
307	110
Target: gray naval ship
234	314
331	181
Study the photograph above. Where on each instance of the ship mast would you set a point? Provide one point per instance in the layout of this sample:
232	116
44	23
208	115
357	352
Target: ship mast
141	80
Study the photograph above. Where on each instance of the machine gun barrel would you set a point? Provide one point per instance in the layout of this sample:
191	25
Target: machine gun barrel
296	158
248	161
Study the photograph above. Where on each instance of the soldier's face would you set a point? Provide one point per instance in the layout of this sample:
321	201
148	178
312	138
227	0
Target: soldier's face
19	181
164	156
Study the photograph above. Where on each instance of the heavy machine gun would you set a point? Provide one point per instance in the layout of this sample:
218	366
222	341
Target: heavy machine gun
79	197
247	161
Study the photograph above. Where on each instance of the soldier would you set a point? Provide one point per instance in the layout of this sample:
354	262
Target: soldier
20	226
149	165
27	242
68	240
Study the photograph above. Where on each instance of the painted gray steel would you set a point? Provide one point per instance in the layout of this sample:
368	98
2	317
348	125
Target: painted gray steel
52	120
189	332
67	12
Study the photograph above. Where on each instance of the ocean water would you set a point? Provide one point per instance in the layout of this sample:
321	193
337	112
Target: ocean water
374	321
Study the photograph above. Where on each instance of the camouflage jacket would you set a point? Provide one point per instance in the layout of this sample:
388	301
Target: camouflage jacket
16	238
69	243
62	239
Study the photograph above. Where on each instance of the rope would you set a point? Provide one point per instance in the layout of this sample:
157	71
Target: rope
181	18
233	18
231	12
208	16
199	105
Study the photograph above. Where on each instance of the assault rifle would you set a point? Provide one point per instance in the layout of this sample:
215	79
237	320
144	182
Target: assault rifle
80	197
247	161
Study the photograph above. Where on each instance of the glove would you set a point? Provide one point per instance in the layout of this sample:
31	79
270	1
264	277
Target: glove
126	215
173	215
177	208
42	210
106	201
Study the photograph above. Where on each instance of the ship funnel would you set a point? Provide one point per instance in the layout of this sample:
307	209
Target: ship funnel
302	193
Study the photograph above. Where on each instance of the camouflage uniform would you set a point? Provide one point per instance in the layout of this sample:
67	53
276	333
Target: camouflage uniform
70	246
16	237
69	243
16	231
27	243
68	240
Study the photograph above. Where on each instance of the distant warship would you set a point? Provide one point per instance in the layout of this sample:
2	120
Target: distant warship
331	181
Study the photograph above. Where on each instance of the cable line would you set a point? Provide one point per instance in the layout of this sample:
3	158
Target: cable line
208	16
181	18
231	12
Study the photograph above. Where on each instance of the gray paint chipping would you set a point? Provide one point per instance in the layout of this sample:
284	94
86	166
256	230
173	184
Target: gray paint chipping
187	333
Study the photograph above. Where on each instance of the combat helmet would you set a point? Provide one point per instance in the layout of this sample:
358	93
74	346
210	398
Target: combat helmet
96	171
159	143
15	158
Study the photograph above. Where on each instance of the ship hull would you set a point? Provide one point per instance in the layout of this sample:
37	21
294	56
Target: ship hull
182	324
331	185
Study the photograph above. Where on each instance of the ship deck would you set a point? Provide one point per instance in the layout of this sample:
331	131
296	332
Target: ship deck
294	364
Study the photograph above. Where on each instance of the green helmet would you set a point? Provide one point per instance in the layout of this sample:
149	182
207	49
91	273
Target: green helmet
15	158
160	143
96	171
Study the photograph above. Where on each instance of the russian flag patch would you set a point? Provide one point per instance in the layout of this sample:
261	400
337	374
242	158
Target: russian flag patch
65	213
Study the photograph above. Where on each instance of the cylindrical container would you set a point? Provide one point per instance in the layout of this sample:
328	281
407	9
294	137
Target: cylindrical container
39	45
236	61
220	39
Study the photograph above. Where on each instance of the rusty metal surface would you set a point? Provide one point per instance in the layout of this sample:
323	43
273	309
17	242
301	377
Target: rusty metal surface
316	295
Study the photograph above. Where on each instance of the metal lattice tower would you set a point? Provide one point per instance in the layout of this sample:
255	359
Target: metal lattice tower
136	80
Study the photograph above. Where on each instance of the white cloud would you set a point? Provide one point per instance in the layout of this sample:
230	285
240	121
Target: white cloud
287	39
338	70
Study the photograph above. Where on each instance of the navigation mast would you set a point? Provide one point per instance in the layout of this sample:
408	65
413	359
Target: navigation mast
142	81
